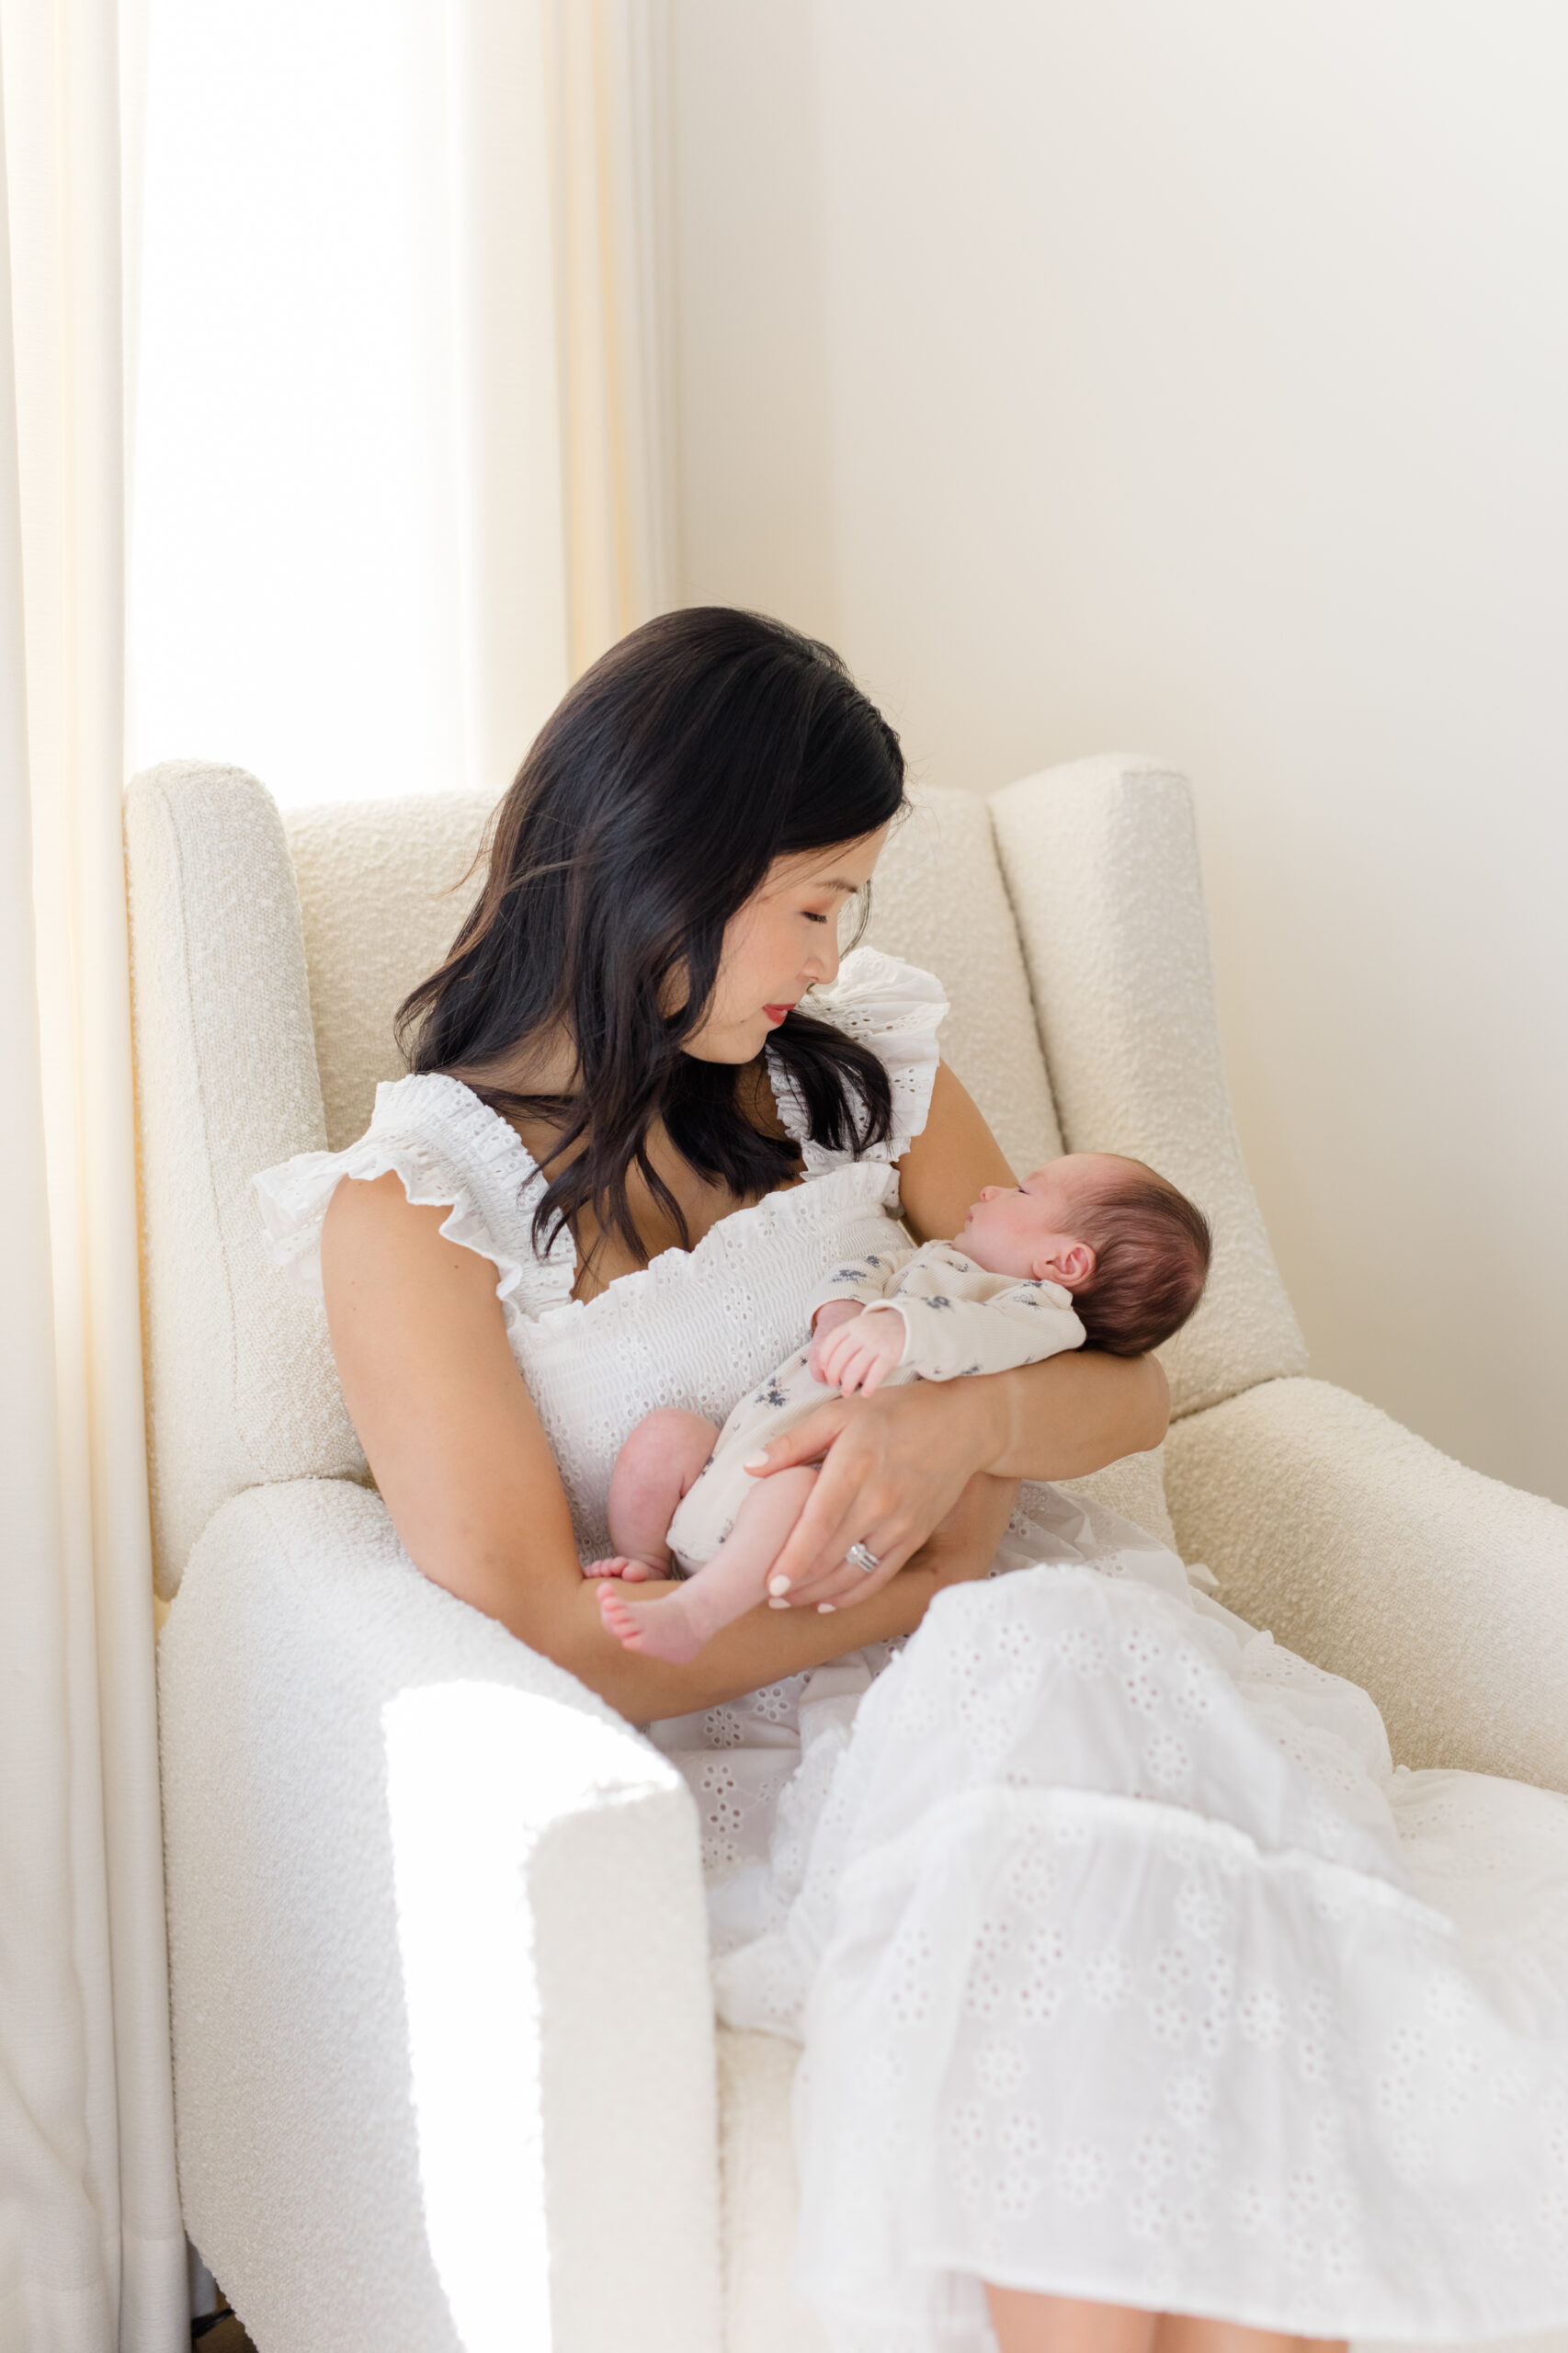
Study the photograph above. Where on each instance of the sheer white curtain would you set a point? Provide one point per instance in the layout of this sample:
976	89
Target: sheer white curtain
92	2254
402	425
404	416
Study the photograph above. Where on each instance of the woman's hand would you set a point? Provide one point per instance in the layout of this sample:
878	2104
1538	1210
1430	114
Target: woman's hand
893	1467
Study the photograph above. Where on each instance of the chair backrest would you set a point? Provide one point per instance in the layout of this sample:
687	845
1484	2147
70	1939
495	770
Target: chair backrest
269	957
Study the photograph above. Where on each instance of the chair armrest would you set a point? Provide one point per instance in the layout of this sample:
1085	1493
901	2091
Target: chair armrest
438	1947
1443	1592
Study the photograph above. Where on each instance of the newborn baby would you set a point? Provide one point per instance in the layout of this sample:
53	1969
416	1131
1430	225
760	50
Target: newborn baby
1091	1248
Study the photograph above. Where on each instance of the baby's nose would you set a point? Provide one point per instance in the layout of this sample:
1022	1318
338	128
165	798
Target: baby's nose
989	1192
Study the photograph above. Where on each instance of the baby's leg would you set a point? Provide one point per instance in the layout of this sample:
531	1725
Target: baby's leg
664	1456
674	1626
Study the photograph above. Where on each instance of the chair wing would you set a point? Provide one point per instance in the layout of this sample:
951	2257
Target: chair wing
1101	861
240	1386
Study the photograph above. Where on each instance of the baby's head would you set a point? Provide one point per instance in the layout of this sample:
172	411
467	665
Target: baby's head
1133	1251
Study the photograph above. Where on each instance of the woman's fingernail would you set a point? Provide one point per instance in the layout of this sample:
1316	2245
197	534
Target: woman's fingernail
778	1584
755	1461
779	1605
824	1608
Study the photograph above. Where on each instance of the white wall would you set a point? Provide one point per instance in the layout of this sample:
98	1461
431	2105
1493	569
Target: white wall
1195	380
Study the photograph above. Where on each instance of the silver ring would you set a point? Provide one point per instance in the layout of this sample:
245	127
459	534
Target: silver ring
861	1557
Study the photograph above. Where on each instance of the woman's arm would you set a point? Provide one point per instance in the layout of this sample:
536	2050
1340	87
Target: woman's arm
465	1469
954	1154
891	1463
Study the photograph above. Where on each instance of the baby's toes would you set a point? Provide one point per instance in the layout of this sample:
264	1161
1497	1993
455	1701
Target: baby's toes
614	1566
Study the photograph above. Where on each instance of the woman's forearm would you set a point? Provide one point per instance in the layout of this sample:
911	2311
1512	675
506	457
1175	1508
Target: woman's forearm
762	1647
1069	1416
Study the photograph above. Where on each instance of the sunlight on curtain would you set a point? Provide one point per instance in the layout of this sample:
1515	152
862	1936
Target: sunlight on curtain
91	2254
402	413
401	427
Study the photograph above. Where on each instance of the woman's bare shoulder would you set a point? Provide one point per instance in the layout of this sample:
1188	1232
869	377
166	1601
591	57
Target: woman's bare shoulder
375	1214
406	1305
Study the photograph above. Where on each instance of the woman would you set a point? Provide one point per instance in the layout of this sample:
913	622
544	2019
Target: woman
1141	2000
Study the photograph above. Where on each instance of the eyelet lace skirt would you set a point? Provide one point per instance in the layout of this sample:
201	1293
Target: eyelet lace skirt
1128	1968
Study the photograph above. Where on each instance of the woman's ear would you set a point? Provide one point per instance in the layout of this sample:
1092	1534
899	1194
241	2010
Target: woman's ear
1069	1264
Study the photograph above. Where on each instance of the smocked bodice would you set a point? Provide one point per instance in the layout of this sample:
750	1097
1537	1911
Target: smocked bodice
695	1327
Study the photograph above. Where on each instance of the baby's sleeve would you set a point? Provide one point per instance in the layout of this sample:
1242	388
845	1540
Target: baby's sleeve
948	1336
866	1280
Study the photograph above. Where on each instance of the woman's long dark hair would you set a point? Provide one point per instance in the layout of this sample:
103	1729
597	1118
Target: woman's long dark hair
703	747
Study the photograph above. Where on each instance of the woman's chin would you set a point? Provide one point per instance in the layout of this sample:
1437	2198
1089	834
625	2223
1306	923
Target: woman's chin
737	1045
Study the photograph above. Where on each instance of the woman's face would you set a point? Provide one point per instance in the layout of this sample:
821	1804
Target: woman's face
784	941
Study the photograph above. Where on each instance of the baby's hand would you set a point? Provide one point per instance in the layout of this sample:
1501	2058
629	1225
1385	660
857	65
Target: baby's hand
831	1318
858	1355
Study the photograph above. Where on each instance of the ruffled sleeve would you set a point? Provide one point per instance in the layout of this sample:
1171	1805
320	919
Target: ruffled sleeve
896	1009
449	1151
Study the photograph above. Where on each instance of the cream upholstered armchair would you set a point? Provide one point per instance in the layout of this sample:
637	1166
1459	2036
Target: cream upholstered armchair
446	2069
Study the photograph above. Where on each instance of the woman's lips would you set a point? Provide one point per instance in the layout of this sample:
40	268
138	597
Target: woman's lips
775	1012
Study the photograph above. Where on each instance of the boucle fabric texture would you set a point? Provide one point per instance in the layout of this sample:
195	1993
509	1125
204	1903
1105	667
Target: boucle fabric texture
1136	1488
439	1961
241	1385
757	2075
384	887
1377	1557
1101	861
939	900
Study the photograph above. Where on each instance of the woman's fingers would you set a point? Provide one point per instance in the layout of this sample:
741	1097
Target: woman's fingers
893	1466
807	1442
848	1585
805	1556
814	1557
845	1507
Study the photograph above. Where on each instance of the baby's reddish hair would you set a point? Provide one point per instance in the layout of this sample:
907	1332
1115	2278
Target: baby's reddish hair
1152	1250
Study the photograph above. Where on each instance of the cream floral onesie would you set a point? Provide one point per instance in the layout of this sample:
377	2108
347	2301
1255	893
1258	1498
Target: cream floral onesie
957	1318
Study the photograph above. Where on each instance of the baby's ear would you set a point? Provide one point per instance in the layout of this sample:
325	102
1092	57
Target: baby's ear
1071	1264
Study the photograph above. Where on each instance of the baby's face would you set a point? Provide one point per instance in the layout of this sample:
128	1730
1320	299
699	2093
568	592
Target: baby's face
1028	1230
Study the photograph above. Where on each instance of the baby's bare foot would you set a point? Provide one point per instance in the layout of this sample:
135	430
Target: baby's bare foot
622	1565
658	1629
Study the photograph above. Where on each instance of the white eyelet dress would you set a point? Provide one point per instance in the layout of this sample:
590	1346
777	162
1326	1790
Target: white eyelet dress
1126	1965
